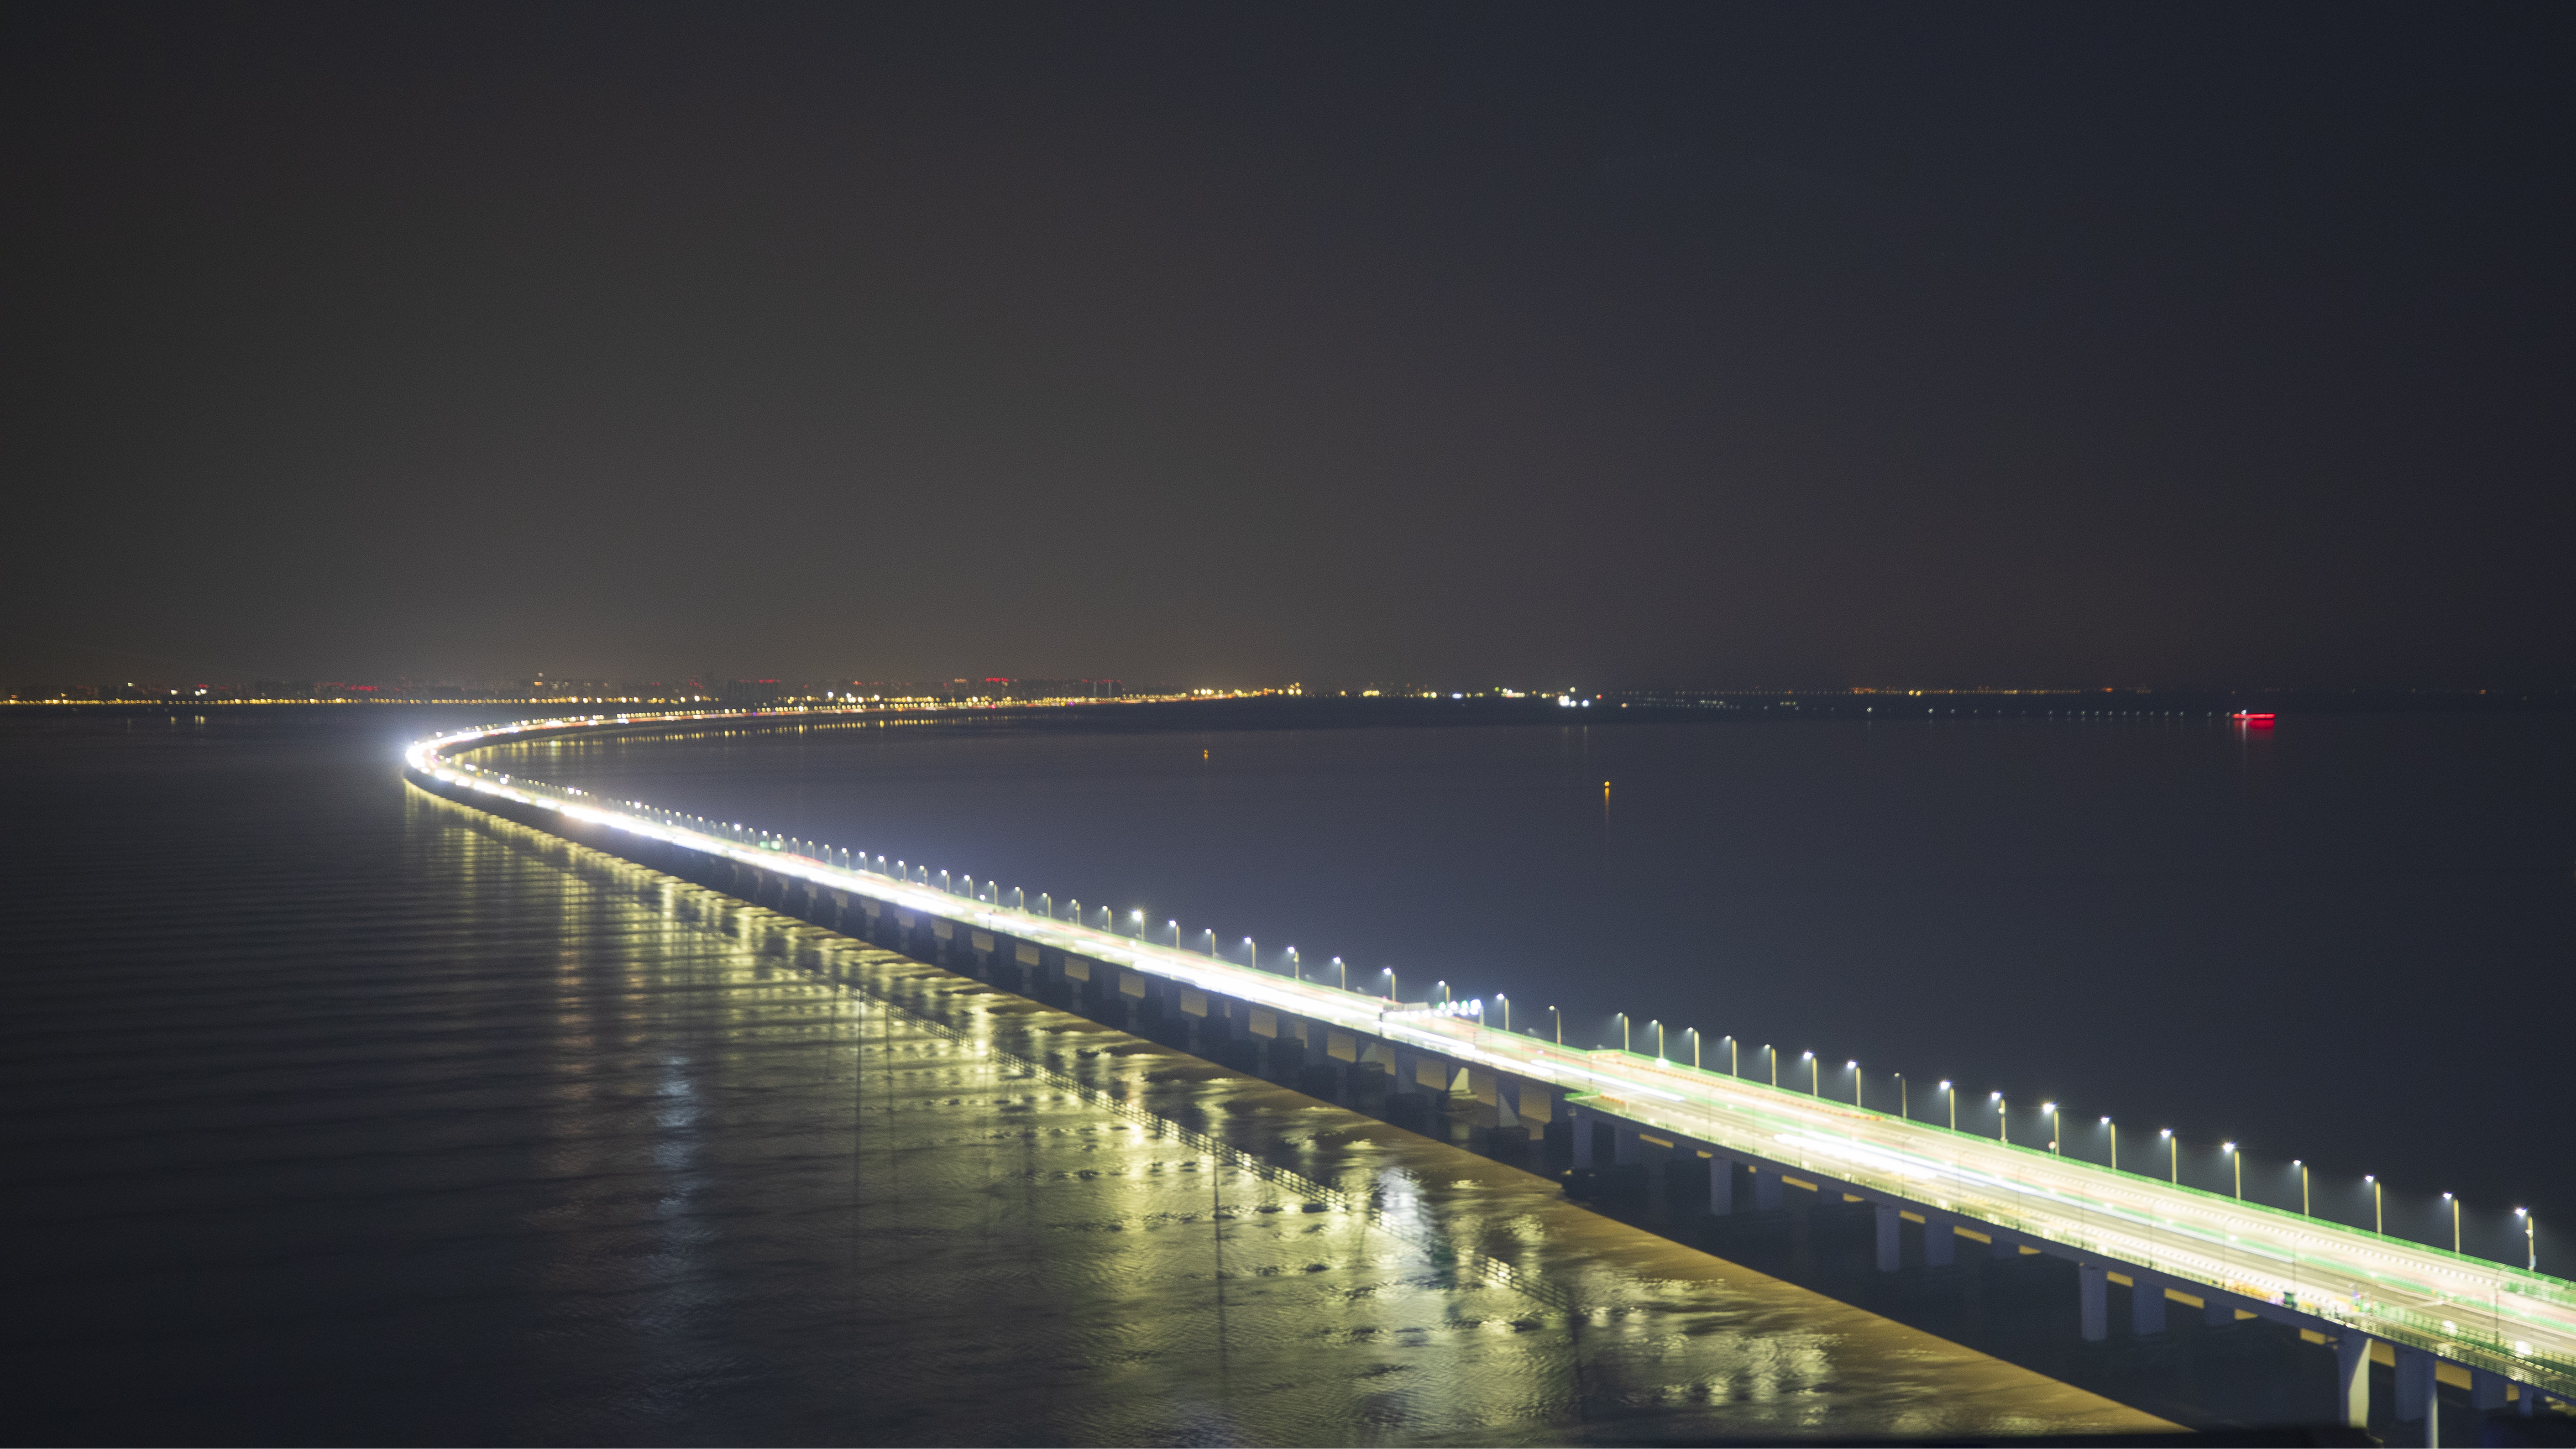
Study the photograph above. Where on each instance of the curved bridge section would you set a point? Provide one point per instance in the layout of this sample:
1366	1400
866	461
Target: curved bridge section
2510	1332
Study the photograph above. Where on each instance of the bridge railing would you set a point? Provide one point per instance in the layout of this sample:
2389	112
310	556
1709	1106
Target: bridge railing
2188	1234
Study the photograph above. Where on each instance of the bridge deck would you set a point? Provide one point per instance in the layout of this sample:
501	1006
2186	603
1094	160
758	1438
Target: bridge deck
2486	1315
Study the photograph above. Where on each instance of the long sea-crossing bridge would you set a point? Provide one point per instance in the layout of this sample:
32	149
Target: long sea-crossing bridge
2432	1314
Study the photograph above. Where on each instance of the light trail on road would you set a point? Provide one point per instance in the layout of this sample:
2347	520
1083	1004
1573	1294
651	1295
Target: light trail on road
2488	1315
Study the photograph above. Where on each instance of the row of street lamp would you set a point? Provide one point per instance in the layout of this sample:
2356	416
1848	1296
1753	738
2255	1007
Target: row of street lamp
1815	1081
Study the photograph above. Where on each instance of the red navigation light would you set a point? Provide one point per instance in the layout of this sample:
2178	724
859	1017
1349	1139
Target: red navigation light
2252	720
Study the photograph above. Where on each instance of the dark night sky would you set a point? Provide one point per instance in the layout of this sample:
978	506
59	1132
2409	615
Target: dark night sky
1230	344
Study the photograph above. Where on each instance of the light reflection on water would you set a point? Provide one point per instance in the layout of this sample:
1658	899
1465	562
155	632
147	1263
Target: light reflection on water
992	1257
335	1114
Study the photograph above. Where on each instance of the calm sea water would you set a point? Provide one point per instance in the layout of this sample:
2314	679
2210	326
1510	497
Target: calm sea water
335	1113
2346	941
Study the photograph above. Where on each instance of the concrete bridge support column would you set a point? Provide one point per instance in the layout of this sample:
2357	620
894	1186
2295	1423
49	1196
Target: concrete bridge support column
2352	1378
1629	1149
2486	1390
1766	1191
2147	1305
1721	1184
1940	1244
1581	1122
1891	1224
2418	1394
2093	1301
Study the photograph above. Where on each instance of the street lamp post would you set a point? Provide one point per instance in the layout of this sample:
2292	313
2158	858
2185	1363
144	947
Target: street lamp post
2003	1118
1815	1085
1560	1024
1251	953
1341	974
1659	1039
1953	1090
1389	973
2239	1160
1623	1031
2302	1166
2173	1155
1444	992
2056	1128
1854	1069
1904	1098
1507	1009
1694	1036
1775	1062
2378	1204
2455	1220
2530	1242
2115	1142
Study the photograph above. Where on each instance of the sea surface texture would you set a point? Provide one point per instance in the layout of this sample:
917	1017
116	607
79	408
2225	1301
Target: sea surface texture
335	1113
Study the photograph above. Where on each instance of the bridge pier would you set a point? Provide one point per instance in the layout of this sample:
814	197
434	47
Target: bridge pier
1628	1149
2147	1305
2419	1394
2092	1296
1940	1242
1721	1185
2486	1390
1581	1122
1766	1191
2352	1378
1891	1228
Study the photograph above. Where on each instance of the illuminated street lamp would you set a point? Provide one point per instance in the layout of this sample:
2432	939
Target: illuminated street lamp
1694	1036
2378	1202
1659	1039
1560	1024
2056	1128
1815	1087
1341	974
2455	1220
1734	1063
2303	1185
1775	1062
1251	953
1904	1099
2233	1156
2115	1142
1854	1069
1444	992
1389	973
2530	1243
1949	1087
2003	1118
1294	969
1507	1009
1623	1029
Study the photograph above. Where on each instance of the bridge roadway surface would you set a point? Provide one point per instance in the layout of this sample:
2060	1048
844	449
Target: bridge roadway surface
2505	1321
